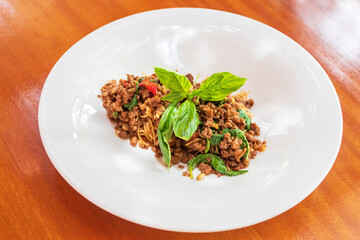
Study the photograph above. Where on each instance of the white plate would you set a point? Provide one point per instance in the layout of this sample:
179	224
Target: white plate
295	105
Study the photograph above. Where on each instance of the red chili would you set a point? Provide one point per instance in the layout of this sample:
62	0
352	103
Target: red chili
149	86
152	87
126	83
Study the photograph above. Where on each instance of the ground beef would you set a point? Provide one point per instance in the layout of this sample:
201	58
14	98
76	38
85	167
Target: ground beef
207	132
206	168
249	103
191	78
255	129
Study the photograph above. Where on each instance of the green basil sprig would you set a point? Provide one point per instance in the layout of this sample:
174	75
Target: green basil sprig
173	81
215	161
134	101
165	132
186	120
174	96
237	133
216	139
215	88
182	122
218	86
242	114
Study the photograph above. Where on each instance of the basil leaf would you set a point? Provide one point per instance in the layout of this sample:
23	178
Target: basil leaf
173	81
215	139
174	96
134	101
165	132
207	146
215	161
218	164
186	120
218	86
242	114
239	134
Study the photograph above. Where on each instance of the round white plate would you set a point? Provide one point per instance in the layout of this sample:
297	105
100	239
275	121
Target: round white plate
295	105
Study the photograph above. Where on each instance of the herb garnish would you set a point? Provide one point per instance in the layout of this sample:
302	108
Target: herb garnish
242	114
134	101
216	139
214	88
207	148
218	86
185	119
215	161
173	81
165	132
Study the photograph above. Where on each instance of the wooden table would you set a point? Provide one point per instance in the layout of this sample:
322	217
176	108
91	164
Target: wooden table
37	203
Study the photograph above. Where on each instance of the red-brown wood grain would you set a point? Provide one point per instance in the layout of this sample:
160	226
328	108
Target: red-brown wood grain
37	203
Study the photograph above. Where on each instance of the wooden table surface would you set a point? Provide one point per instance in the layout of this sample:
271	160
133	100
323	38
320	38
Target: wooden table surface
37	203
